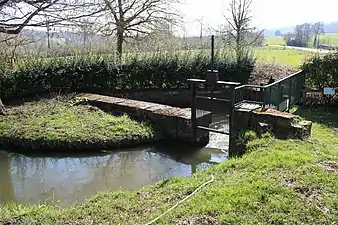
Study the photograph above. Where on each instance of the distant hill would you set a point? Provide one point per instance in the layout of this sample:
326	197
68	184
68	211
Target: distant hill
283	30
69	37
328	28
331	27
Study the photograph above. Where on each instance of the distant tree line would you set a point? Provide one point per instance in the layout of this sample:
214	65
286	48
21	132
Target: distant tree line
303	33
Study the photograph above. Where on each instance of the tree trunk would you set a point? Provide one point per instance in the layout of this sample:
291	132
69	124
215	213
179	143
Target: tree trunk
238	45
2	108
119	44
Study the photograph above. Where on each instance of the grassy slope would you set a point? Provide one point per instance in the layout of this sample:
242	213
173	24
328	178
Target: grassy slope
277	182
58	122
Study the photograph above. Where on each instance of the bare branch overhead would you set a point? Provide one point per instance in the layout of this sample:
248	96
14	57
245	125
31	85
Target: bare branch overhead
16	15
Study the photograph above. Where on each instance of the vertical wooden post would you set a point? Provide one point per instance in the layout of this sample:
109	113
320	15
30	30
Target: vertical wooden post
232	132
212	52
280	96
263	96
212	63
232	108
193	168
290	93
193	113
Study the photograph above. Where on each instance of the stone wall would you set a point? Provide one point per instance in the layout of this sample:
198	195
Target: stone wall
281	124
174	122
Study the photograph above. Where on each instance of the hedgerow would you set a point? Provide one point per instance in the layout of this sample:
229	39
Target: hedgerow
101	73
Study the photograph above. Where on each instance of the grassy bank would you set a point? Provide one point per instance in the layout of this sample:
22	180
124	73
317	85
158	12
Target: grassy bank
58	124
276	182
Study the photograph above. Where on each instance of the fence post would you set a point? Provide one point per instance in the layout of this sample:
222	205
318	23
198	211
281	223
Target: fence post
193	113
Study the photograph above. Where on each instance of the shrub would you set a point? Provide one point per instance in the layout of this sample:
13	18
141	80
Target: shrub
100	73
322	71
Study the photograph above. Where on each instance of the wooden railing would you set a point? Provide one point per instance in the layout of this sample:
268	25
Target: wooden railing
281	94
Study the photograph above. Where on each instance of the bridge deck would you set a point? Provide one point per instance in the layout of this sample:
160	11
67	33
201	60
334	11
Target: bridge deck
247	106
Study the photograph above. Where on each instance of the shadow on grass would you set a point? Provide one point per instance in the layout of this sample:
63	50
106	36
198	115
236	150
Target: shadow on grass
326	115
19	101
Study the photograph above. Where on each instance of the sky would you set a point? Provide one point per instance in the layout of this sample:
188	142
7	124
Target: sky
267	14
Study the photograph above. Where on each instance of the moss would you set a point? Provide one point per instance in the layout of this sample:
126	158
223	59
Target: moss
58	124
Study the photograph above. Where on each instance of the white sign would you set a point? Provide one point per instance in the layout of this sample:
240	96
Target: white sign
329	91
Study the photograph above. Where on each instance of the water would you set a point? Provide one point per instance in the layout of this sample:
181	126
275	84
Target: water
73	179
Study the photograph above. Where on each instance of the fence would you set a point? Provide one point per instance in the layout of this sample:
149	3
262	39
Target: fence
281	94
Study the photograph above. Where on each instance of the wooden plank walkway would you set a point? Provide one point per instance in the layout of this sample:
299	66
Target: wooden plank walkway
247	106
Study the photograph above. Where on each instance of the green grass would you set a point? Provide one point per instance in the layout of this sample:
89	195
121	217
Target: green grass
264	55
329	38
274	40
279	55
275	182
57	123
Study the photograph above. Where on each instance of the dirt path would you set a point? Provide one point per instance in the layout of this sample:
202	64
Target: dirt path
304	49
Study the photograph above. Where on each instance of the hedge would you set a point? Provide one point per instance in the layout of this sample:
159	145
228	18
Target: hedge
322	71
100	73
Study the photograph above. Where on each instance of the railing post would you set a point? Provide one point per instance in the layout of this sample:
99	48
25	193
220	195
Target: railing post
263	97
193	113
280	96
290	94
232	133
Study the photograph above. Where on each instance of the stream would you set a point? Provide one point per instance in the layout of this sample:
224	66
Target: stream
38	179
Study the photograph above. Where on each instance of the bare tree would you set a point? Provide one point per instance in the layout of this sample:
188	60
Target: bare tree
16	15
302	35
288	37
307	33
201	24
14	44
239	28
126	18
86	30
317	29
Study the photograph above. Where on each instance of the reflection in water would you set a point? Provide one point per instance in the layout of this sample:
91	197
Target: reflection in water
72	179
6	190
37	179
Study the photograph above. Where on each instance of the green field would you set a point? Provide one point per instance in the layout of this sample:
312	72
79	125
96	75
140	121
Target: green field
276	55
329	38
275	40
279	55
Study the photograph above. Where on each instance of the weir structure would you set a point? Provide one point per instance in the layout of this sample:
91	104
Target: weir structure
246	106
